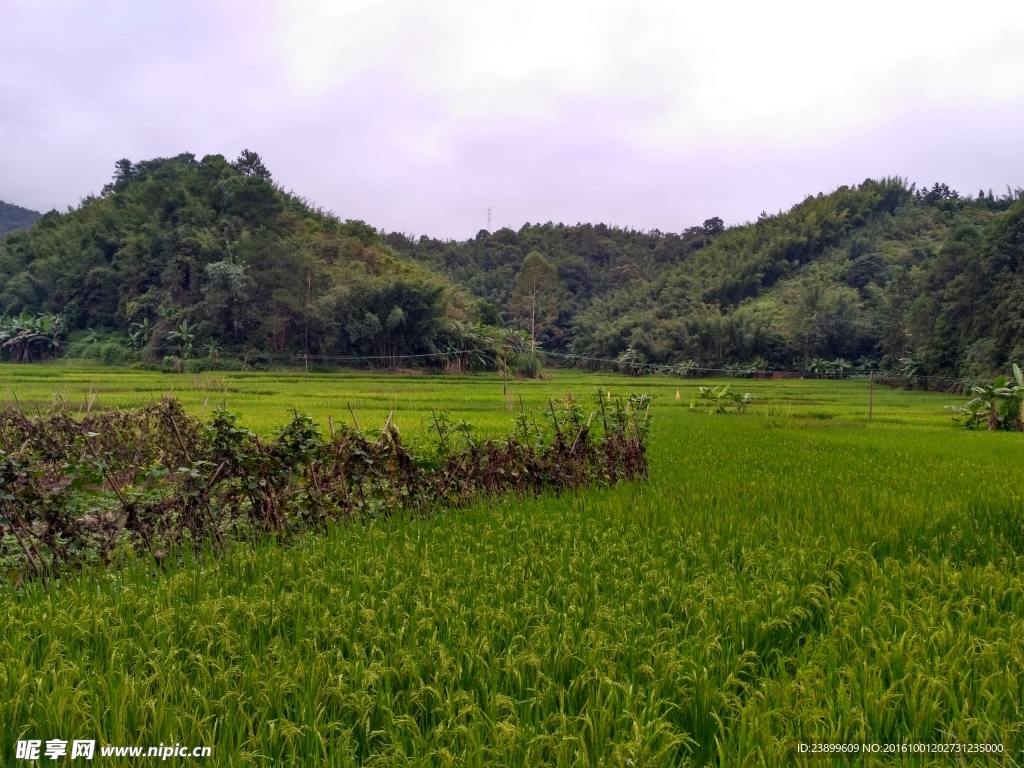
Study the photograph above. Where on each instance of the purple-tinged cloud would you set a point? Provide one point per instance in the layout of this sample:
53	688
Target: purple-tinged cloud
417	118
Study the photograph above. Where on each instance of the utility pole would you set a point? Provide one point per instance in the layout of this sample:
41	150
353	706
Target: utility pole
488	218
309	288
871	394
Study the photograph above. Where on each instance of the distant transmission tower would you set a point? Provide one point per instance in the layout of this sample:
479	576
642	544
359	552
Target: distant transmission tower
488	218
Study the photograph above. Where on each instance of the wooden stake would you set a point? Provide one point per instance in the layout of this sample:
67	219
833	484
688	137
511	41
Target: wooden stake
871	395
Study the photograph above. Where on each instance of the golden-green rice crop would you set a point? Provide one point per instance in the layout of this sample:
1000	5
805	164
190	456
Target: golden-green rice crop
788	575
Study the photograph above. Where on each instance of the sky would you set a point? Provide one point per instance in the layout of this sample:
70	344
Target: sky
419	116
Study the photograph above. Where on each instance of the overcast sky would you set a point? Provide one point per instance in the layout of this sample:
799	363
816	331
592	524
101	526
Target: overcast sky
417	116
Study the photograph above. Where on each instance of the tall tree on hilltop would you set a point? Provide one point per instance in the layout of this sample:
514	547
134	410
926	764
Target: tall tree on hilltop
532	301
251	164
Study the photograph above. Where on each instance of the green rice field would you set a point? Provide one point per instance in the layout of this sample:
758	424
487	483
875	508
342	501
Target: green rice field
793	575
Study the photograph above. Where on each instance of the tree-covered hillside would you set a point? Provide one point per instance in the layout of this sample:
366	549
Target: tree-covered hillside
15	217
881	271
181	255
184	257
588	262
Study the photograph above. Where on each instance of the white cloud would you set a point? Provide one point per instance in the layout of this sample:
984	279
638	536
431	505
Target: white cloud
418	116
695	71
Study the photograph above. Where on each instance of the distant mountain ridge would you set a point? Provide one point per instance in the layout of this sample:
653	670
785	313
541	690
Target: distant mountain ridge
881	273
15	217
183	256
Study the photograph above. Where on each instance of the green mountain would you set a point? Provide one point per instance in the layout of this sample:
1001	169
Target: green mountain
15	217
183	255
882	272
180	255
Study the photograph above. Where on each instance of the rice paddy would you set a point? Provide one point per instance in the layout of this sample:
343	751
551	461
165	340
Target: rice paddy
791	575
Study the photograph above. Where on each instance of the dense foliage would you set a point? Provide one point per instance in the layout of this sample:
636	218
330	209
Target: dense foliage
15	217
883	272
579	265
79	490
186	257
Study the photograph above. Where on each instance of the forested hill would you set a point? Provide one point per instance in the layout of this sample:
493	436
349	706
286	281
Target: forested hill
187	256
883	272
205	257
15	217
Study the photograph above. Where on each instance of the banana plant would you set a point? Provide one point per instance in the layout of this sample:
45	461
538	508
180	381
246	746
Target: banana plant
631	362
470	346
818	366
184	336
761	367
999	405
139	333
720	399
840	366
909	366
27	336
866	364
684	368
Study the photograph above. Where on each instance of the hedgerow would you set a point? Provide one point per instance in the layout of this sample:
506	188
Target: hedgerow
94	489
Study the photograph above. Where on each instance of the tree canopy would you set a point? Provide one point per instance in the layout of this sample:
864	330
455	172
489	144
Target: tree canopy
532	298
883	272
15	217
218	246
